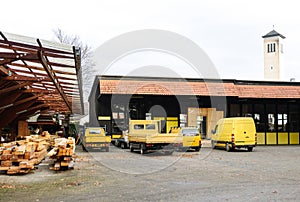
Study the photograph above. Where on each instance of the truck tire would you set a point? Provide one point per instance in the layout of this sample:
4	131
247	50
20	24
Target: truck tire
131	148
123	145
227	147
142	149
250	149
107	149
197	149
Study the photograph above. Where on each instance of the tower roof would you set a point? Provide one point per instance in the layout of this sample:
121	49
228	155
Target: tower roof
273	33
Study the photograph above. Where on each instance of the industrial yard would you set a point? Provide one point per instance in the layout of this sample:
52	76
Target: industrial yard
269	173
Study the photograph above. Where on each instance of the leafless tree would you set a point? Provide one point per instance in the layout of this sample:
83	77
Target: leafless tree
87	65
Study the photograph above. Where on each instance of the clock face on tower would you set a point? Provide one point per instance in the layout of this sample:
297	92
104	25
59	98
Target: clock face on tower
273	55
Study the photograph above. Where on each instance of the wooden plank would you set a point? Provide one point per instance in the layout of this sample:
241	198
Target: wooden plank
5	157
6	163
3	70
20	150
13	170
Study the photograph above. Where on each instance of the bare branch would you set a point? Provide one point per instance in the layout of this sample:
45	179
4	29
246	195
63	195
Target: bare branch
87	66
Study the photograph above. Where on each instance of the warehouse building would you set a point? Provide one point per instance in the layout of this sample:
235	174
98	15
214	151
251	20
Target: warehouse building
273	104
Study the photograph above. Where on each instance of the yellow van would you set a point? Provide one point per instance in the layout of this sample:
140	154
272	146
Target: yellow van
95	139
191	138
234	133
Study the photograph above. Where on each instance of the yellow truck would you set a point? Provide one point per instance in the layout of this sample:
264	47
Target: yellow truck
191	138
235	132
95	139
144	135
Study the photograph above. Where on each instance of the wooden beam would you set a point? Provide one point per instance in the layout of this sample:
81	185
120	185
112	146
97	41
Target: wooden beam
15	87
52	77
23	78
27	114
7	116
32	47
3	70
25	100
42	69
42	75
24	56
36	90
18	56
9	100
33	108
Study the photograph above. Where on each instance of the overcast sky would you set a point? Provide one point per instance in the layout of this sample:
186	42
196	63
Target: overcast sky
228	31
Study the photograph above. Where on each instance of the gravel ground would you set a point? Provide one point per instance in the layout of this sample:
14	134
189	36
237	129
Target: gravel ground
269	173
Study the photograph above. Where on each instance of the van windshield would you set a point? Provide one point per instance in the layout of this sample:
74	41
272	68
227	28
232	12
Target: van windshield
95	131
190	132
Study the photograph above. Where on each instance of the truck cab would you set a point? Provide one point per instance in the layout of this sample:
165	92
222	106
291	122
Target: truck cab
95	139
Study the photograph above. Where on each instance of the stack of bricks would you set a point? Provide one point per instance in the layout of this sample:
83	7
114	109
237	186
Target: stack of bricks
62	153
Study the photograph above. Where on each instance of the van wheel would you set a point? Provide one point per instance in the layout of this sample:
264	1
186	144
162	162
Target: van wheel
213	144
131	148
250	149
227	147
142	149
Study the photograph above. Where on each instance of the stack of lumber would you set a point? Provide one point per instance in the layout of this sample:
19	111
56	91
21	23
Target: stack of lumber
62	153
16	159
19	157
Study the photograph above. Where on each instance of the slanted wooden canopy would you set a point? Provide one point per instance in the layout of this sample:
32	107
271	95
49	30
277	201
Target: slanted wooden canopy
37	76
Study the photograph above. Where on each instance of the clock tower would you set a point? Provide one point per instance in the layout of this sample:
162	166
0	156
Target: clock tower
273	55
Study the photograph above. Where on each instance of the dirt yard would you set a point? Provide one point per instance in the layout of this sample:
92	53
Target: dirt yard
269	173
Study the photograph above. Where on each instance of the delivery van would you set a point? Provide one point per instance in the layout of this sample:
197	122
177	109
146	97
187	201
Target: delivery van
235	132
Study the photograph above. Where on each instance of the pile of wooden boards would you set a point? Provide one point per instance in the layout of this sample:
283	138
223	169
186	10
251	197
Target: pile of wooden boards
19	157
62	153
16	159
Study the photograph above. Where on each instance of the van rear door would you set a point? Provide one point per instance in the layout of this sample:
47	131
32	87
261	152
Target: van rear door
244	132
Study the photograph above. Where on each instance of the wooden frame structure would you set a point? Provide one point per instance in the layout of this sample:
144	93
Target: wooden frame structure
38	76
